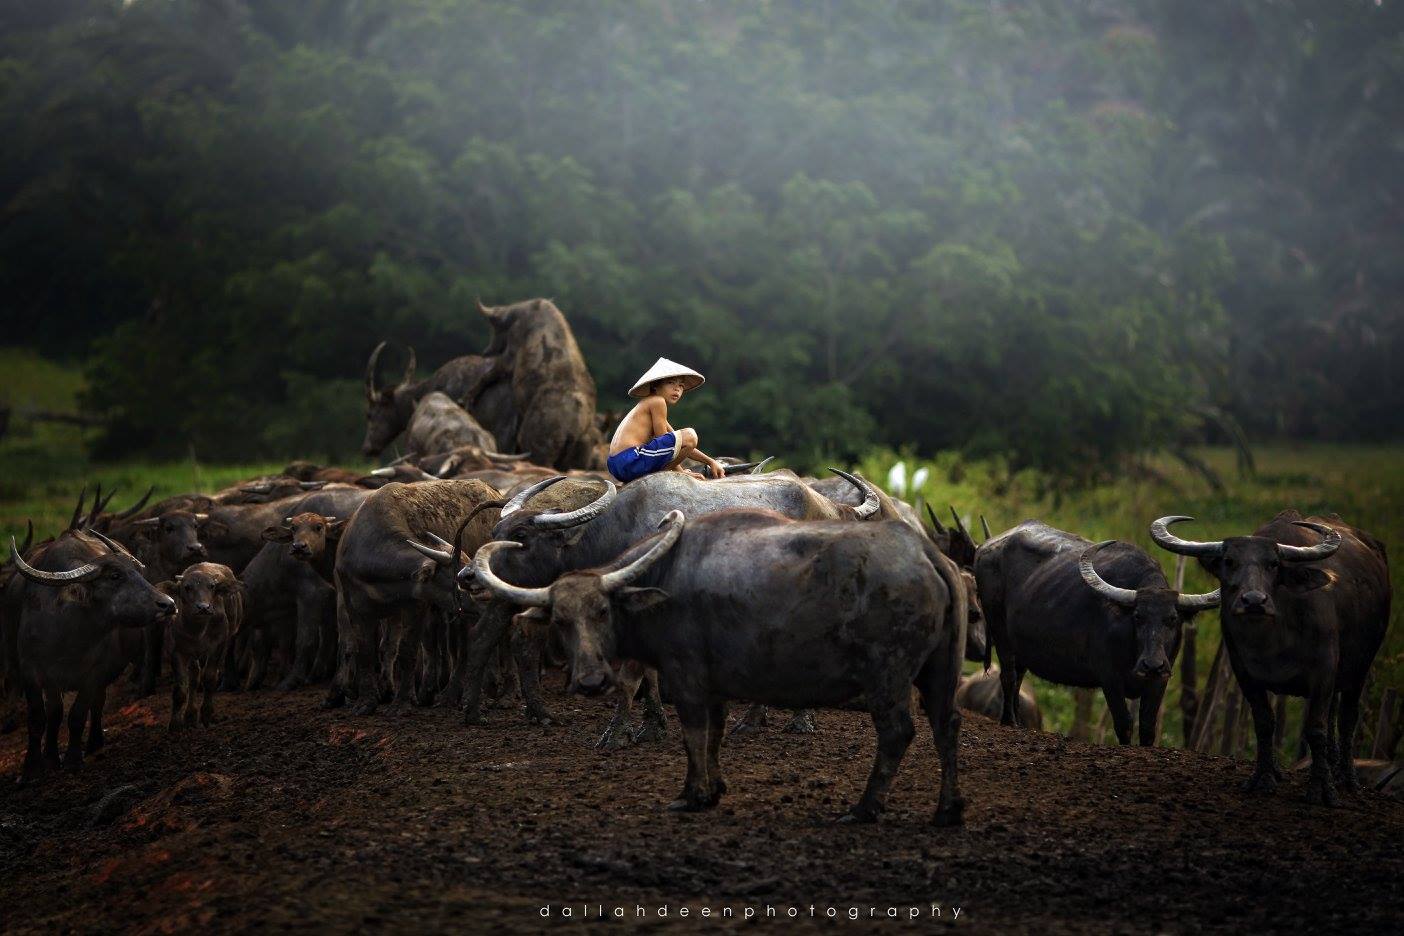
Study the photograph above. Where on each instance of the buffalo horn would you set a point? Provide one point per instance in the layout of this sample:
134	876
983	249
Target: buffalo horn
1330	543
1160	532
572	518
50	578
409	369
935	520
507	456
311	485
522	496
383	473
372	366
149	521
955	516
78	510
869	507
115	547
482	565
1121	596
672	526
985	525
138	505
760	466
439	556
1198	602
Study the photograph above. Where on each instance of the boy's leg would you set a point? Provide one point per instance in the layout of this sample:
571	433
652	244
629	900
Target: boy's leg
687	444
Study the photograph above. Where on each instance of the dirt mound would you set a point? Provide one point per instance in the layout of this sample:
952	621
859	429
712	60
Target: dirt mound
287	816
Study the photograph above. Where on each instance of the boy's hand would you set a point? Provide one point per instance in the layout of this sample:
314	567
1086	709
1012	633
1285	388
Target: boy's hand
715	469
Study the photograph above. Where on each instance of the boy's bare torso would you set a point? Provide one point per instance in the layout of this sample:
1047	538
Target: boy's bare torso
646	421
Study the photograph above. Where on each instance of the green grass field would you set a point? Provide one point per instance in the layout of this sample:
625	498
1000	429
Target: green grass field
43	467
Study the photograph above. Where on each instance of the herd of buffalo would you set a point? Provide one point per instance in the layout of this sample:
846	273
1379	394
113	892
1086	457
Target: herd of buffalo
496	546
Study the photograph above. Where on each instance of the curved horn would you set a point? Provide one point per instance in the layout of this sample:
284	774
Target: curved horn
760	466
1198	602
311	485
672	526
869	507
148	521
439	556
78	510
116	547
256	489
28	538
138	505
1330	543
201	517
579	516
50	578
507	456
1160	532
482	565
99	504
1122	596
408	379
372	367
485	310
522	496
383	473
935	520
499	504
985	525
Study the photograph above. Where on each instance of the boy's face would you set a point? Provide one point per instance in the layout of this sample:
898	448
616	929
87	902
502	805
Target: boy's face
671	389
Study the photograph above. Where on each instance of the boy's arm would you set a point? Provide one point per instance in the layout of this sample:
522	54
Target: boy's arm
715	468
658	417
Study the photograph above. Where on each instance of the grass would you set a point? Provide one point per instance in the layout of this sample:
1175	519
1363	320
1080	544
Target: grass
43	466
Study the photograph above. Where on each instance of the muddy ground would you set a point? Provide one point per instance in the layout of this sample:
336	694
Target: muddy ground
287	817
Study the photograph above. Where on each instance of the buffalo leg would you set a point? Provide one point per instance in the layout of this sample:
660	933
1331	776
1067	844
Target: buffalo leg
937	682
209	681
95	739
1151	697
492	626
410	631
1009	685
696	726
151	668
77	721
431	661
341	686
1265	772
1120	712
34	766
894	735
261	652
1345	758
528	644
365	665
655	723
1320	787
53	719
233	660
180	692
618	733
716	731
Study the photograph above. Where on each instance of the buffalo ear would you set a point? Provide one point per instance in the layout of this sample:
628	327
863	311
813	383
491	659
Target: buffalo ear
1214	565
336	528
426	571
573	535
278	534
214	528
167	588
639	600
530	618
1301	579
76	593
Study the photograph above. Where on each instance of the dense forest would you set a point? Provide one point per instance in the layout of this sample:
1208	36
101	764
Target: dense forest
1061	231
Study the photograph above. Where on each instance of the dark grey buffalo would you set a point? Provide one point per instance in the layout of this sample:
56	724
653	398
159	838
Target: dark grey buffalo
72	616
559	542
438	424
750	605
209	609
1097	616
388	580
465	380
1305	608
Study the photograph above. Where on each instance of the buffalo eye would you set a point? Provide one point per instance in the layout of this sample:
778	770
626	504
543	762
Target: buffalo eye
115	574
317	528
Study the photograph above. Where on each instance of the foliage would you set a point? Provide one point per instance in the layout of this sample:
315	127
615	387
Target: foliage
1048	231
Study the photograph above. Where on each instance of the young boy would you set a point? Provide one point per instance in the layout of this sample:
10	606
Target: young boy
645	442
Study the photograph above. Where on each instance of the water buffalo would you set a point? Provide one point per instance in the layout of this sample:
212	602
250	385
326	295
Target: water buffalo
1305	608
165	544
384	573
593	534
982	693
552	392
464	379
1082	614
440	425
209	609
458	461
750	605
70	615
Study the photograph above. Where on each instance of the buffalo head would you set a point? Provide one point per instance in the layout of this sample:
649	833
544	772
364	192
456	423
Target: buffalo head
385	419
308	534
102	576
174	537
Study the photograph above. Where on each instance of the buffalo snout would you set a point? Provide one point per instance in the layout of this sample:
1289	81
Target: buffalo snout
301	549
1157	668
196	551
165	607
1252	602
203	608
592	683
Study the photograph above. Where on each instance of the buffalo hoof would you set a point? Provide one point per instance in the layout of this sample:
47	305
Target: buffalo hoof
192	718
472	715
230	685
176	726
802	723
952	815
537	715
1263	781
209	718
335	698
33	772
1321	791
651	731
94	744
1346	778
860	815
73	760
615	736
9	724
450	698
291	682
366	706
691	804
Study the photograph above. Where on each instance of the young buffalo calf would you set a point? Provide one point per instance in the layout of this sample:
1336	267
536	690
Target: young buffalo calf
209	611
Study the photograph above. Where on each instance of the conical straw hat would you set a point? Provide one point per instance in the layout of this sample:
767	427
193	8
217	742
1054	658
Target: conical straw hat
662	369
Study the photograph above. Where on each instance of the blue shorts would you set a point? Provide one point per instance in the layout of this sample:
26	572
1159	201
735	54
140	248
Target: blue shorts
653	455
